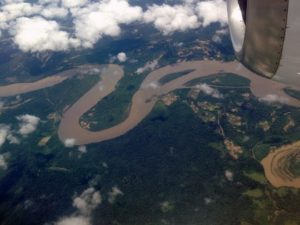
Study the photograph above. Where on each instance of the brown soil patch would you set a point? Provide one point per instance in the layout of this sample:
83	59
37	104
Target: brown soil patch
233	150
277	166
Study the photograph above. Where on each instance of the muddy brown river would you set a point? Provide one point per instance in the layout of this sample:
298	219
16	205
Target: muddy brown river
22	88
144	99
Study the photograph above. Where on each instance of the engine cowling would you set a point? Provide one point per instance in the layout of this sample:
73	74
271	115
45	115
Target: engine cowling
266	37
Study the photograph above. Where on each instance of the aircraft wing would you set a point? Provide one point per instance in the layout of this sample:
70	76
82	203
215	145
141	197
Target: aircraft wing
266	37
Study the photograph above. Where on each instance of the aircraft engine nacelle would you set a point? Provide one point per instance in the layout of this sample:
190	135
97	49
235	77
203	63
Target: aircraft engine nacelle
266	37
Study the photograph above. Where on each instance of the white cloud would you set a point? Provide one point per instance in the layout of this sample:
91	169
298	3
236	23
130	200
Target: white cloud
6	134
28	124
122	57
212	11
94	71
3	163
148	66
73	3
229	175
207	201
101	87
113	194
209	90
190	15
219	35
87	201
273	98
12	139
82	149
46	2
152	85
37	26
74	220
168	18
14	10
70	142
11	1
4	131
111	13
37	34
53	11
217	39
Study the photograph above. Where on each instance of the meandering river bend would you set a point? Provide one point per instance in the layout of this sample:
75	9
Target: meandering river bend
144	99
